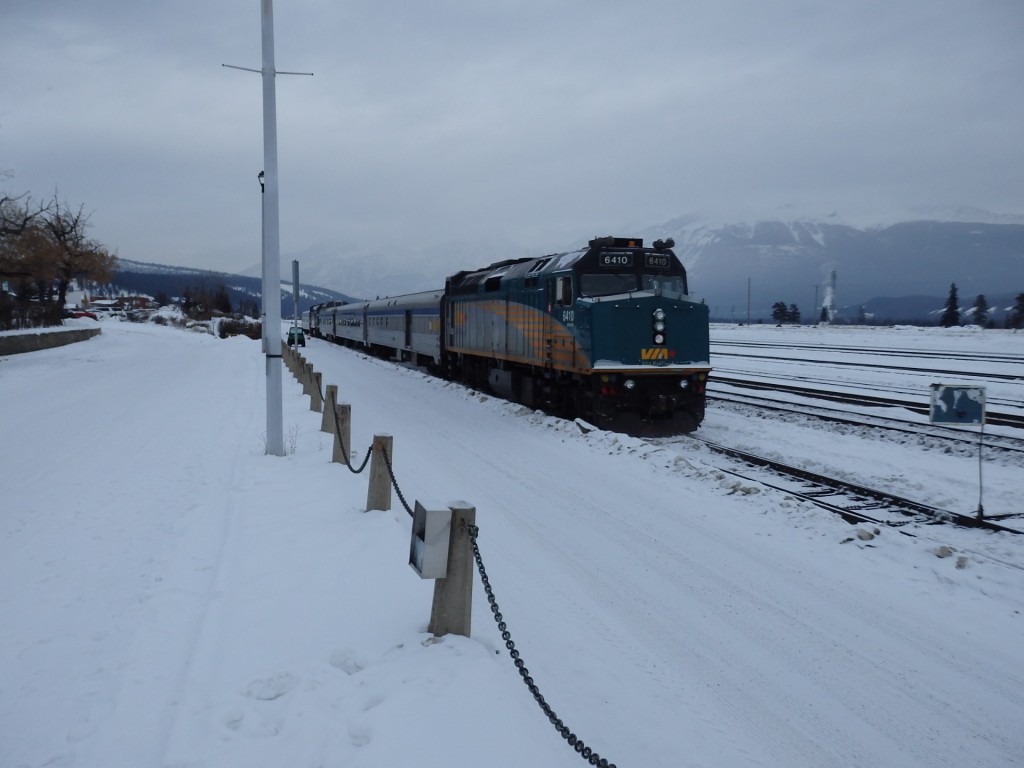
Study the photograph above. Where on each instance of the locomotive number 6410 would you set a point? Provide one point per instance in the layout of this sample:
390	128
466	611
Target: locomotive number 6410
616	260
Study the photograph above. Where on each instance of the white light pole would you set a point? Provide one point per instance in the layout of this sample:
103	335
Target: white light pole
295	296
263	256
271	235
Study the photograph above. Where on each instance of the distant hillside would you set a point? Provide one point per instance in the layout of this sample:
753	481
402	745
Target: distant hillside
134	277
791	262
896	271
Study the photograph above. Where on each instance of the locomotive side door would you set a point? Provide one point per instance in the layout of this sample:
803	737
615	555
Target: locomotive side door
560	313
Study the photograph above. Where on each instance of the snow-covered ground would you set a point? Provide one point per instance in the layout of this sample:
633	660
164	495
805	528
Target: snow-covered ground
172	597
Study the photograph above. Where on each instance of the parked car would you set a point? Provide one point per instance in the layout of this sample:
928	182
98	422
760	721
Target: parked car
296	336
105	311
76	312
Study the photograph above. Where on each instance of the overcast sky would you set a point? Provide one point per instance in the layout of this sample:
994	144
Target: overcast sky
538	122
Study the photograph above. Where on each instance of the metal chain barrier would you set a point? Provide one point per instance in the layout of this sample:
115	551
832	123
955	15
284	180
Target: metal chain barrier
344	449
588	754
575	742
323	397
394	484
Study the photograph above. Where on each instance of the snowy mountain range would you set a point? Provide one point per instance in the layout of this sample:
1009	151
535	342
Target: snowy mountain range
897	269
894	271
890	272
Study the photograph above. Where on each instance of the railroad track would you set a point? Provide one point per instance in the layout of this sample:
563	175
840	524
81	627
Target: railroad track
854	503
990	357
946	434
850	398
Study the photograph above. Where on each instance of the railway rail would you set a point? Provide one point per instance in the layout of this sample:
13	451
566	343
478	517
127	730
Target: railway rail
987	357
854	503
944	434
1003	419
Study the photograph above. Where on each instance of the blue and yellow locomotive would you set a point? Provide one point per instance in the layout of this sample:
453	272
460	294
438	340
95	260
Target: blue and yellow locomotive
608	333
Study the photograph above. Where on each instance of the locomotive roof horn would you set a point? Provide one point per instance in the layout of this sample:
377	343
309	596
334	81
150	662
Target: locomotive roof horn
660	245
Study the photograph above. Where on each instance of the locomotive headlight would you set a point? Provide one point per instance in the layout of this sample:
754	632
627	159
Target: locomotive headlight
684	383
659	338
659	314
659	326
629	384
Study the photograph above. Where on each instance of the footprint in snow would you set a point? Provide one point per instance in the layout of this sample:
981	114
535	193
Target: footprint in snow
343	660
270	688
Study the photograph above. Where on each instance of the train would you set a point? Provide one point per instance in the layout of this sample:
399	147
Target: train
608	333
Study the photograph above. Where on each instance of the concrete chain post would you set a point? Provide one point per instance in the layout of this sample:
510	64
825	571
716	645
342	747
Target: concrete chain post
315	401
327	422
342	434
451	612
378	496
307	378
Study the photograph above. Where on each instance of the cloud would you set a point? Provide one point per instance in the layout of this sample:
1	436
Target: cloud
532	122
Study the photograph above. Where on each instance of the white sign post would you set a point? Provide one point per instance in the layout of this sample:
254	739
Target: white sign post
962	406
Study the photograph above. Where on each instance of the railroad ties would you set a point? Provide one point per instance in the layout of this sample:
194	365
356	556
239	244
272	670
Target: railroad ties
850	501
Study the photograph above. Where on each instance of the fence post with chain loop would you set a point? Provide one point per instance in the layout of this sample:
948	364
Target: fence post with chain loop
330	403
307	378
342	433
452	608
315	398
378	496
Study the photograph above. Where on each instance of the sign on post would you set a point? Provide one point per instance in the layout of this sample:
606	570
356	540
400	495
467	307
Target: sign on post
961	405
428	548
957	404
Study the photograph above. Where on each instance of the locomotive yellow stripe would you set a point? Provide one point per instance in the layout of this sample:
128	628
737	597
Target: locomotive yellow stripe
555	365
548	341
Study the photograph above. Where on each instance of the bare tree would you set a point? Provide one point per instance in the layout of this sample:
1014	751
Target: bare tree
17	215
76	255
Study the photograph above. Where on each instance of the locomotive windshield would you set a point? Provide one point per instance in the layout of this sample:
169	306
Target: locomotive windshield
611	284
605	284
665	285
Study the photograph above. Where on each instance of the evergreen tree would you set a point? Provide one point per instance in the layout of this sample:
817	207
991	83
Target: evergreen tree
249	307
779	312
793	313
823	317
222	300
951	314
980	310
1016	319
